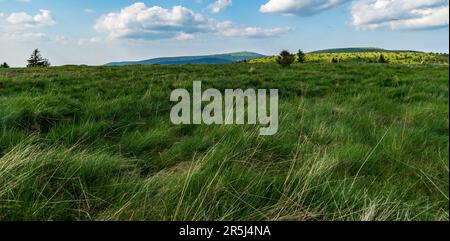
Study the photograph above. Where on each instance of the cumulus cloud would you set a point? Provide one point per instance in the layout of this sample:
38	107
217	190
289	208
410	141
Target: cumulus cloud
141	22
400	14
299	7
220	5
24	20
21	26
138	21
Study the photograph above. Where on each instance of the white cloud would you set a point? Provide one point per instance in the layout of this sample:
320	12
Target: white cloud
89	41
184	36
228	29
140	22
19	36
24	20
17	25
89	10
220	5
400	14
61	39
299	7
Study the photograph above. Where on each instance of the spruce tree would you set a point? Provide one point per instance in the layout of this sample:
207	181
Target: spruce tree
301	58
36	60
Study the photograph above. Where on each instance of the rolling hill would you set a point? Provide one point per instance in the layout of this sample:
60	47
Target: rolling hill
204	59
359	50
366	55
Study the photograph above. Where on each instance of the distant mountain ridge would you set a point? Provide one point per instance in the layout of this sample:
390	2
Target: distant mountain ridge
203	59
358	50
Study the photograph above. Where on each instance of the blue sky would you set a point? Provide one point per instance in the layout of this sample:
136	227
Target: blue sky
98	31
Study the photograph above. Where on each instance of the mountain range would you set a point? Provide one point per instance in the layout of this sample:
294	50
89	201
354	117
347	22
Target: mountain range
204	59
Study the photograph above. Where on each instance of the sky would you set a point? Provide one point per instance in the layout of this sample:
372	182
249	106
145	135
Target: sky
96	32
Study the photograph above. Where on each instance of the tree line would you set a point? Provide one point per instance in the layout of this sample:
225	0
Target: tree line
35	60
285	58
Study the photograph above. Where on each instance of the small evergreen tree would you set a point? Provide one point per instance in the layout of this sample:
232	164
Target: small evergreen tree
36	60
4	65
285	58
382	59
301	58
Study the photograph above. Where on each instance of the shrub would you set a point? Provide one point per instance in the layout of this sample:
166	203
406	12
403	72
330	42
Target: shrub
285	58
301	58
382	59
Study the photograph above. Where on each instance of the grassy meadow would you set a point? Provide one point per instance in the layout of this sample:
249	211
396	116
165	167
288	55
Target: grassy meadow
356	141
393	57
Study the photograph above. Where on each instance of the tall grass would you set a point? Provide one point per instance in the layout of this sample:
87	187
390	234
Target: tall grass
355	142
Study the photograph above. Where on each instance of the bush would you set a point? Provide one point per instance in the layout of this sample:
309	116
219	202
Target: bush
285	58
382	59
301	58
4	65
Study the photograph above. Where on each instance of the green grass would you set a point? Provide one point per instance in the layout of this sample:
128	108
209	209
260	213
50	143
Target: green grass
356	142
